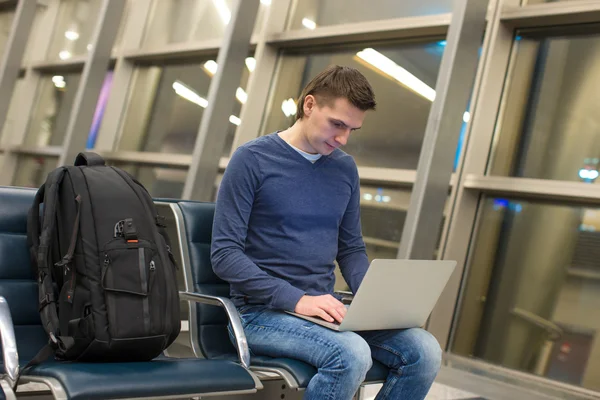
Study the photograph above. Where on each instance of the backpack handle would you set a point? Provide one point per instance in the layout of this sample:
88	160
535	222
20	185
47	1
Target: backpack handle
88	158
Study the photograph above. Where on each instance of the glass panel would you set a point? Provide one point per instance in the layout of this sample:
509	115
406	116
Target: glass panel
166	107
49	119
73	31
32	171
390	137
6	19
533	291
12	115
549	126
309	14
160	182
178	21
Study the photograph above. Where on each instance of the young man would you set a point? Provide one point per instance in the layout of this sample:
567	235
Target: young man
287	208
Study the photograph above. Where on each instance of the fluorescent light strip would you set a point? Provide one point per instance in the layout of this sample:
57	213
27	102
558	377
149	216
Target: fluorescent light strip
392	69
193	97
189	94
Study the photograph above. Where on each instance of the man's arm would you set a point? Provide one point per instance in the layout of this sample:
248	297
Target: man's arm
234	206
352	253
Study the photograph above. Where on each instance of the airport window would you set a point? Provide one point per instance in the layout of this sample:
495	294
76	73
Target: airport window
180	21
166	106
74	28
6	19
403	78
310	14
549	126
532	291
32	171
12	115
50	117
160	182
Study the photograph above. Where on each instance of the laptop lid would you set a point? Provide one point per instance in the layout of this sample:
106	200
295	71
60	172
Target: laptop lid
397	294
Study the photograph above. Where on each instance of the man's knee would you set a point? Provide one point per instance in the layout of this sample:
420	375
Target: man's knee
356	354
427	351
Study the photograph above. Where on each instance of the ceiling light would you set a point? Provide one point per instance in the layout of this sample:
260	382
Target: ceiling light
310	24
289	107
64	55
89	47
188	94
251	63
223	10
60	85
389	67
71	35
466	116
266	2
58	78
211	66
241	95
368	196
235	120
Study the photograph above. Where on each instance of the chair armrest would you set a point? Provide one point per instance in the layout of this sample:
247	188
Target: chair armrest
232	315
9	344
346	296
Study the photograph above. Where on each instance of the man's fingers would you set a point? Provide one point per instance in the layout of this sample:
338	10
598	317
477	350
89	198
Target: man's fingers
323	314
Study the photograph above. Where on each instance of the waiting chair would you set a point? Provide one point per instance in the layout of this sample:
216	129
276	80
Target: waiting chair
161	378
208	325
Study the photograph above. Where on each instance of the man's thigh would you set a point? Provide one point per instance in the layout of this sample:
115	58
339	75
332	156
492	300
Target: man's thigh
278	334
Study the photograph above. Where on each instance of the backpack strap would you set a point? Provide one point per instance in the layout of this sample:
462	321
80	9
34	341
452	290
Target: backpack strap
40	248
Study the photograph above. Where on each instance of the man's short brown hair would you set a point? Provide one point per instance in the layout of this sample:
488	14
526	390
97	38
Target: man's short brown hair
339	82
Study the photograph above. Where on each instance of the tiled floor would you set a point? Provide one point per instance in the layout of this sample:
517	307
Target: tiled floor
437	392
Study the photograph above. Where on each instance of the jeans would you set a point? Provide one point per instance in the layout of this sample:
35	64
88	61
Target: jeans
342	359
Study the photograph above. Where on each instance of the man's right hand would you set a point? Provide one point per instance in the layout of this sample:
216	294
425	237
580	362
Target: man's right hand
325	306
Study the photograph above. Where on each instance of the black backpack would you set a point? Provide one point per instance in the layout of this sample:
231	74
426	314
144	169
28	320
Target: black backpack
106	275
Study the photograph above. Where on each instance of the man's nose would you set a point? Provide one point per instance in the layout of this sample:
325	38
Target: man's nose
343	138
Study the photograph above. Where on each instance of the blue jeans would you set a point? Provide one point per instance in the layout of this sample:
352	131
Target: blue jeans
343	358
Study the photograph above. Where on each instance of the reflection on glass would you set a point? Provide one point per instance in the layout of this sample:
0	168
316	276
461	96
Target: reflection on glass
403	78
309	14
549	126
50	117
73	31
383	211
160	182
533	291
32	171
178	21
167	104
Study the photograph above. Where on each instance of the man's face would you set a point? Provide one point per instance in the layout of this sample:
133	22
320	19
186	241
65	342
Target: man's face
329	125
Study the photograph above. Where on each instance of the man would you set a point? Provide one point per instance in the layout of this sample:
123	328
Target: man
287	208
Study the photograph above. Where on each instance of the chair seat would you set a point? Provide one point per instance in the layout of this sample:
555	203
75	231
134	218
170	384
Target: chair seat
303	372
164	377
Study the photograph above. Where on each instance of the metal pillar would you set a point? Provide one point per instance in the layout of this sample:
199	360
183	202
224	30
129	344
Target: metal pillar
453	88
92	79
210	141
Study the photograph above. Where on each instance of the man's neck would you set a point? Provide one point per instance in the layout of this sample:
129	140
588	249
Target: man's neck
295	136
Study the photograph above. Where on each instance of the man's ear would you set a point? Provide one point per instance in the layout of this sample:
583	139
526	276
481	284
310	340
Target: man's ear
309	104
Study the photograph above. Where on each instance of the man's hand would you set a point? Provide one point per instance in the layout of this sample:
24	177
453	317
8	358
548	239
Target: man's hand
325	306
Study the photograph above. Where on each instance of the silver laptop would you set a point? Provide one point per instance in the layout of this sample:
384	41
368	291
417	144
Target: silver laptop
394	294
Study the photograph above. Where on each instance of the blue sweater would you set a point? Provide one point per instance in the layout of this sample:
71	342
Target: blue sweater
281	221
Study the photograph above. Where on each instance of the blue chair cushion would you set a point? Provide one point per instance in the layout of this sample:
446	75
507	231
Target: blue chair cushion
161	377
378	372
